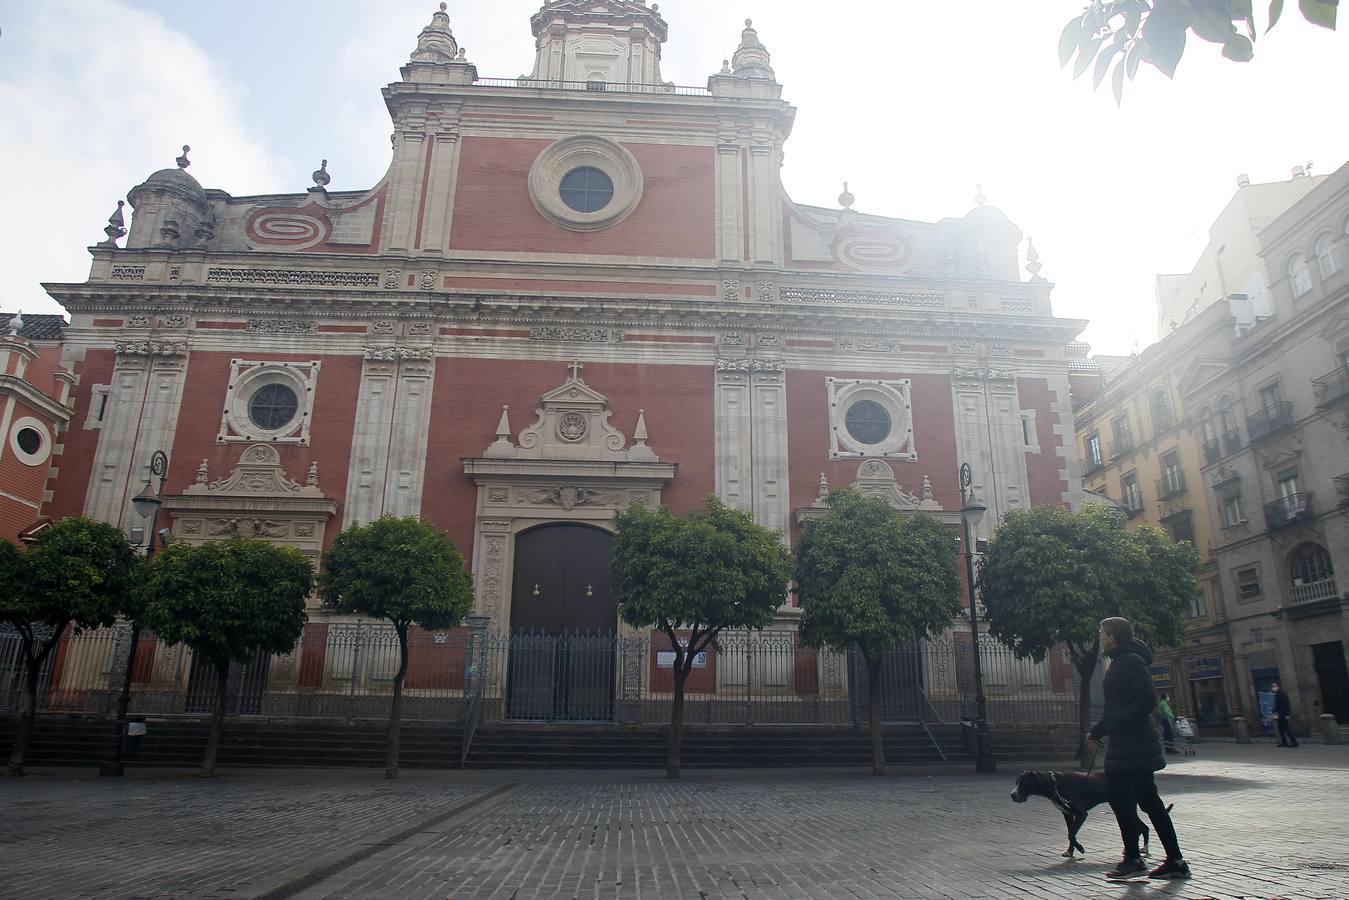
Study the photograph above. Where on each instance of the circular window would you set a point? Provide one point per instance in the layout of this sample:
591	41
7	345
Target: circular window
585	183
868	422
29	440
586	189
273	406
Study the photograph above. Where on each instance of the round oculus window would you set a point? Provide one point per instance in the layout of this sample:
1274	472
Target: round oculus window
586	189
273	406
868	422
29	440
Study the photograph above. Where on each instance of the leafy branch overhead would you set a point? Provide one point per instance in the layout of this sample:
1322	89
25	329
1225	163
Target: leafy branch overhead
1126	33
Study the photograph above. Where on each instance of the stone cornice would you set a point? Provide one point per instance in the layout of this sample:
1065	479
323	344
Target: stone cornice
484	470
13	386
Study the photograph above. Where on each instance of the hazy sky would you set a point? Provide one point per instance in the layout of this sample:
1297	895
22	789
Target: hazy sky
913	103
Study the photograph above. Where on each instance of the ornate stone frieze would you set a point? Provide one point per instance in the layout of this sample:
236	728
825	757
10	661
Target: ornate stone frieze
382	326
569	497
1015	304
733	339
765	291
576	333
280	326
867	345
392	278
137	321
419	329
393	354
150	348
258	472
768	340
128	273
175	321
963	374
730	290
247	526
428	280
751	365
967	348
905	299
306	277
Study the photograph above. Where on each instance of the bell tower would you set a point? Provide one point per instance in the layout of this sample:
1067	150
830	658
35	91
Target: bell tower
598	42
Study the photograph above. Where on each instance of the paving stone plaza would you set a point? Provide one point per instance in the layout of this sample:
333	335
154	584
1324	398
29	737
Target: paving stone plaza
1255	821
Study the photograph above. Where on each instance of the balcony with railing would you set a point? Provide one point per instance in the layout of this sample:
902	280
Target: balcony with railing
1121	446
1091	465
1172	484
1231	441
1313	592
1213	451
1270	421
1332	387
1289	510
1223	476
1133	505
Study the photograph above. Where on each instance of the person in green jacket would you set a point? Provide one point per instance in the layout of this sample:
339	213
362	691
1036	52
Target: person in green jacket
1167	716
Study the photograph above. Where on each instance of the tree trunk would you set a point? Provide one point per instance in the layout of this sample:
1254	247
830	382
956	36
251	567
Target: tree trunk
1086	668
32	665
874	709
222	673
681	675
396	706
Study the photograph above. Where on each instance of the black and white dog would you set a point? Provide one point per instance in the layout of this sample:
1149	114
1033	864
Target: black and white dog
1075	794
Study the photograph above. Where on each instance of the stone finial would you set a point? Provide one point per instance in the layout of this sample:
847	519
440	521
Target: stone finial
824	487
16	324
183	161
436	43
312	479
979	198
927	489
725	67
504	425
203	473
846	199
639	433
116	227
751	58
321	177
1033	260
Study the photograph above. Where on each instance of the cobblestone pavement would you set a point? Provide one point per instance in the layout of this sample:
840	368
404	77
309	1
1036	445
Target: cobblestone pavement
1254	821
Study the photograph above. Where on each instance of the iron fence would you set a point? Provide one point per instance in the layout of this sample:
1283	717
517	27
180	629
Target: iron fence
346	671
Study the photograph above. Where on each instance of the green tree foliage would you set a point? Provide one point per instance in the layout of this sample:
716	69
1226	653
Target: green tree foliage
1050	576
227	600
403	570
871	578
81	573
698	575
1129	32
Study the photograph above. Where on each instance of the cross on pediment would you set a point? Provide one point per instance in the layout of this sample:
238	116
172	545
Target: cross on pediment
576	368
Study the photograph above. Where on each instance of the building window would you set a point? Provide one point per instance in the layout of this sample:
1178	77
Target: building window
586	189
1162	420
273	406
1327	255
1231	509
1030	434
1311	564
870	418
1299	275
1133	497
868	422
1248	583
1209	432
1270	394
30	440
1124	436
1199	603
1227	422
1173	479
1181	526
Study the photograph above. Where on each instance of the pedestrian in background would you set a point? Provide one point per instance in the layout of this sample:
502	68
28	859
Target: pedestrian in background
1134	752
1165	713
1283	710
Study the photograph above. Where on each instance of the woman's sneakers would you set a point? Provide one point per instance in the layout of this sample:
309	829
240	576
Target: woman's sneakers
1172	868
1130	867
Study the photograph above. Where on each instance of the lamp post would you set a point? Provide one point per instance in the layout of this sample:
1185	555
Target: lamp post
971	512
147	506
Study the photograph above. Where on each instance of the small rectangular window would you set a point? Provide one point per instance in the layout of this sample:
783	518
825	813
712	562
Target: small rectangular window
1232	514
1270	395
1248	583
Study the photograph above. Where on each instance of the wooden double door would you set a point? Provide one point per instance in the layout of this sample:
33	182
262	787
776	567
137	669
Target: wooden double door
563	626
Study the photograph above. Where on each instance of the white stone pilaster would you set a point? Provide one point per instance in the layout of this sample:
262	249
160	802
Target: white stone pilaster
733	439
769	431
407	439
370	443
730	203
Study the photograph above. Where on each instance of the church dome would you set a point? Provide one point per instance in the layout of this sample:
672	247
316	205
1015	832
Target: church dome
174	181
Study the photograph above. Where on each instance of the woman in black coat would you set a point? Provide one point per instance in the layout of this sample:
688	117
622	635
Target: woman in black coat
1134	752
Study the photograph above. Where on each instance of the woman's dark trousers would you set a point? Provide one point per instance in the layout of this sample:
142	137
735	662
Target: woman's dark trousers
1127	791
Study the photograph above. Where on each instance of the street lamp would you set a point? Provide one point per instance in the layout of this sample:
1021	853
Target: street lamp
972	511
147	506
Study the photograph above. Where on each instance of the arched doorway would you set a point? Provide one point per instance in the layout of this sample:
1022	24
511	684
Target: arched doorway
563	622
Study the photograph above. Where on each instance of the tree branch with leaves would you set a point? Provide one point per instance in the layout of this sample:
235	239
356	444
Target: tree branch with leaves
1127	33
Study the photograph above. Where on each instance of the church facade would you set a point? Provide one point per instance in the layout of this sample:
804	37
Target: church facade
572	290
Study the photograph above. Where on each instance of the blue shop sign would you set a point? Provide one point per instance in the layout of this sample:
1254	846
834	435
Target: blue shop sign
1205	668
1161	677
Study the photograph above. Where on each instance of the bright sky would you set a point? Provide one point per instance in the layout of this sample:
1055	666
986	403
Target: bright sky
913	103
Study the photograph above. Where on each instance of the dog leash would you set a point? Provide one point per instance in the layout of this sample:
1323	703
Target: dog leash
1057	795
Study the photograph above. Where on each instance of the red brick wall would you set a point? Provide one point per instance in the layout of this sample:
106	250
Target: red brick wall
467	402
808	438
77	460
1047	482
492	209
